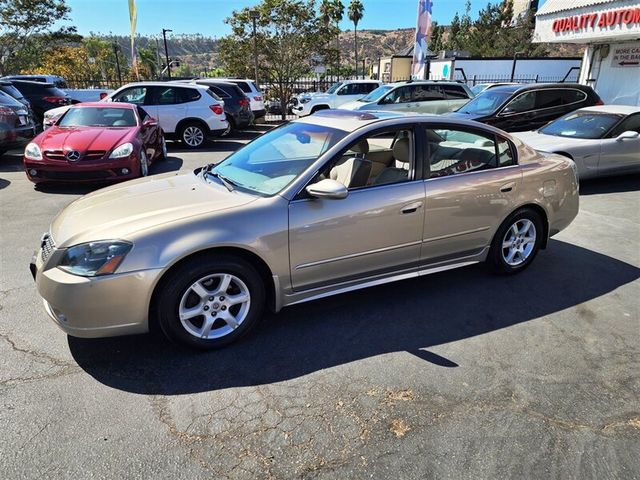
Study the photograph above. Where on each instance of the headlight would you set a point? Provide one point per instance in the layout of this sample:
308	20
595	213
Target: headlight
95	258
305	100
122	151
32	152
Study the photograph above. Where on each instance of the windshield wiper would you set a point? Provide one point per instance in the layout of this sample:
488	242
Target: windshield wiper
225	181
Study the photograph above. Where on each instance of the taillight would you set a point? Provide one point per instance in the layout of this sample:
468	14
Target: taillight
599	102
217	109
244	102
58	100
257	98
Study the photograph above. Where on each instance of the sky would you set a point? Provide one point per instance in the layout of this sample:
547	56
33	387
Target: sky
207	16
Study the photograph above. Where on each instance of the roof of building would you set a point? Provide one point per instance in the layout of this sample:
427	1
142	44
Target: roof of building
554	6
408	52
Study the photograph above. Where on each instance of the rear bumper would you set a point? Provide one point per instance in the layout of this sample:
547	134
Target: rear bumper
259	113
17	137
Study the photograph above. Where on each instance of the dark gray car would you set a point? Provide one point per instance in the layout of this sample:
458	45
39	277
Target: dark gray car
16	123
237	106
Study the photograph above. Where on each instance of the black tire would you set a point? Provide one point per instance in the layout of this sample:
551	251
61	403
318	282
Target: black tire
496	259
163	146
144	163
178	283
231	127
188	134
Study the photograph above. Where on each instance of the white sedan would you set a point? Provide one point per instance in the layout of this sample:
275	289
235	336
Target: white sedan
601	140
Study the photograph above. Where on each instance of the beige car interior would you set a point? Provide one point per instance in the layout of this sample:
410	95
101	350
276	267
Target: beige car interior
378	160
448	157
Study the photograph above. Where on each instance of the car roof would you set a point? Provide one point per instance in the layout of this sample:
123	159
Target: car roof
359	81
31	82
536	86
425	82
104	105
351	120
164	84
617	109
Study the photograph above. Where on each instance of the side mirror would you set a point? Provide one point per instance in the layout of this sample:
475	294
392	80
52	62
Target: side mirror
329	189
628	135
150	122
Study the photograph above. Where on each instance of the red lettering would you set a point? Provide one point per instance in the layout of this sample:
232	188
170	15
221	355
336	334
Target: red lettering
611	16
627	16
593	19
636	15
603	20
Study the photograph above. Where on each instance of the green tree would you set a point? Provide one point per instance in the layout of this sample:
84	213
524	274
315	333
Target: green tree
460	29
436	41
148	61
288	35
355	14
27	30
331	14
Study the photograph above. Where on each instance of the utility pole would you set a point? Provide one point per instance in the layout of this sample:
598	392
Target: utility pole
115	51
254	17
166	52
513	67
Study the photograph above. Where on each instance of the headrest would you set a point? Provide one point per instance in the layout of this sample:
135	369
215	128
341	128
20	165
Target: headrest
362	147
401	150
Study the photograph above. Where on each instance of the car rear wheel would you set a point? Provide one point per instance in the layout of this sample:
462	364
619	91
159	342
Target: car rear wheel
211	302
192	135
516	243
230	127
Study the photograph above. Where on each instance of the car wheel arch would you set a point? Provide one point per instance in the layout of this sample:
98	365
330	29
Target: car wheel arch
188	120
254	259
540	210
323	106
565	154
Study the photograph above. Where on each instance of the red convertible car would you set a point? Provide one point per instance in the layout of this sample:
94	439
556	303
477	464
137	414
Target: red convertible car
96	142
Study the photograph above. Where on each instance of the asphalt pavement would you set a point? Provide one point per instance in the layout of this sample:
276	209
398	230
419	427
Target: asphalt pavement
456	375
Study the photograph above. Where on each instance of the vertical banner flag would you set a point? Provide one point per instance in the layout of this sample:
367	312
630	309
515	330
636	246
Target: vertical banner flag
418	68
133	17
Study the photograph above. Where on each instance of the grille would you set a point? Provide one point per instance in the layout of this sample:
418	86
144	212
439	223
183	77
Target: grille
89	155
94	175
94	155
54	154
47	246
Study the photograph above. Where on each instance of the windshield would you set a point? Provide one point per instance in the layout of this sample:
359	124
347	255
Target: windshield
478	89
588	125
376	94
334	87
98	117
272	161
487	102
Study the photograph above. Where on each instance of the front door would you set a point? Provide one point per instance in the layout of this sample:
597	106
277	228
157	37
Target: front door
618	155
472	187
376	229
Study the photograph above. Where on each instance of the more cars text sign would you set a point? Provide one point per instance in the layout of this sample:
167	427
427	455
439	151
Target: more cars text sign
626	55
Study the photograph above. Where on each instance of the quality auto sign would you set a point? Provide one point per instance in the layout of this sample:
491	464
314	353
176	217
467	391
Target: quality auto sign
627	55
598	21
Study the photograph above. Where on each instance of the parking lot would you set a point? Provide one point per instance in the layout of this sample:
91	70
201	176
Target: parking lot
460	374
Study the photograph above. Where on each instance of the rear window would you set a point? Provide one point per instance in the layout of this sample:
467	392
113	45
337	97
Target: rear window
11	90
54	92
455	92
244	86
573	96
6	99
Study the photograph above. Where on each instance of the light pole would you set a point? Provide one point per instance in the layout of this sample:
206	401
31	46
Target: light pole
166	52
513	67
254	14
115	51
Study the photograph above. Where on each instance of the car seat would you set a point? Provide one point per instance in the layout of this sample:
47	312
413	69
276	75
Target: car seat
402	156
353	171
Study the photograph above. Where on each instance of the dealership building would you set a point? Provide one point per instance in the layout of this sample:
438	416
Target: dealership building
610	31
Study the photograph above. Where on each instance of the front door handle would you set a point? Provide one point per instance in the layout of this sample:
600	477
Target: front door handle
507	187
411	208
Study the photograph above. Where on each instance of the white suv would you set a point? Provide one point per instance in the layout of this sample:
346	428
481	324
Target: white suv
250	90
339	94
187	112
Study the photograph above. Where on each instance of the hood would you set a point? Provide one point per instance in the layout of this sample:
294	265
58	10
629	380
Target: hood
120	211
84	138
548	143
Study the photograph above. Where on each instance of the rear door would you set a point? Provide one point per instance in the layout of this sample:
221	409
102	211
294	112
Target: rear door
428	99
168	104
456	96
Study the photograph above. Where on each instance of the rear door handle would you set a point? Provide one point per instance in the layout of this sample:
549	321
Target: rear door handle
411	208
508	187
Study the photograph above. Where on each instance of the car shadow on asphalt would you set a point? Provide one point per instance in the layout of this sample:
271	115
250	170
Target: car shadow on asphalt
412	315
626	183
4	183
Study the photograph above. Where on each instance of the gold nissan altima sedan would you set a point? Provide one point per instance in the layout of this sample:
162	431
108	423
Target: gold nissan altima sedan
329	203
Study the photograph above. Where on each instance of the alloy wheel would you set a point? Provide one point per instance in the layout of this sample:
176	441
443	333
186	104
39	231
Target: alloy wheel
193	136
519	242
214	306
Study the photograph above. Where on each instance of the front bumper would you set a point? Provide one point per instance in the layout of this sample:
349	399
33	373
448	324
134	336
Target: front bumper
89	171
95	307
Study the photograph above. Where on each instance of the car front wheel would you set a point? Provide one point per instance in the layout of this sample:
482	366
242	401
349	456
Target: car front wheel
209	302
516	242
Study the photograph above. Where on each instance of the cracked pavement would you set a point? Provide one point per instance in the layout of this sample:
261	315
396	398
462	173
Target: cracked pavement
456	375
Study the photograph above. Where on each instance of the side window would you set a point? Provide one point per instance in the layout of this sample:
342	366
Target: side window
453	151
135	95
184	95
367	88
165	96
426	93
573	96
631	123
399	95
549	98
376	159
144	116
455	92
522	103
